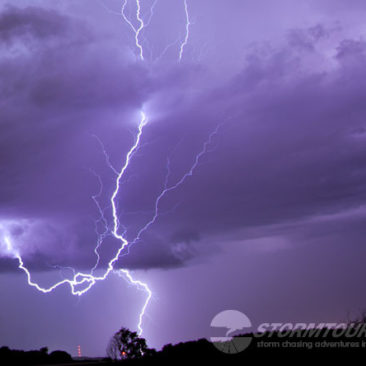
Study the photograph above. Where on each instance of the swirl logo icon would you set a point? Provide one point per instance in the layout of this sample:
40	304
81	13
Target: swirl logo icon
235	323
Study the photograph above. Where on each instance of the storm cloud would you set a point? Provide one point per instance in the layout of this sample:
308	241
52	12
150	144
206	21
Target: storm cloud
290	144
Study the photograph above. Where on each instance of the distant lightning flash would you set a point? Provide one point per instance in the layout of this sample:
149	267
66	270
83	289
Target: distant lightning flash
102	218
151	13
136	30
107	159
141	26
188	23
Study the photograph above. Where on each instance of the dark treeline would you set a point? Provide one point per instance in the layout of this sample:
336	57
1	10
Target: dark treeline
41	357
269	347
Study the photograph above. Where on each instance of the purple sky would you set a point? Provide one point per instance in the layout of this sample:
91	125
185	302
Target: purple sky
271	223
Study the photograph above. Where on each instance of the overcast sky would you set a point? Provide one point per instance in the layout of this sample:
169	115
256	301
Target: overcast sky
272	220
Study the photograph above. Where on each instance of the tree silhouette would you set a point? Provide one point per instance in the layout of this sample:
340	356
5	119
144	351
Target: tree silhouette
126	345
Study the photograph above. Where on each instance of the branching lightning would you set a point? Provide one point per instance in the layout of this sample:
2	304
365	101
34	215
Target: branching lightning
141	25
82	282
89	279
136	30
168	189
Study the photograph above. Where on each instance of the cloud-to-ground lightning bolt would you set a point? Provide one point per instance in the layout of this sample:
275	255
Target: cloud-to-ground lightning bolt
166	189
143	286
81	282
89	279
188	23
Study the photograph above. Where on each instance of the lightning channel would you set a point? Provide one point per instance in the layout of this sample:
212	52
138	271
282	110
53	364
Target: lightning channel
142	286
188	23
102	219
168	189
151	13
82	282
136	30
89	279
106	156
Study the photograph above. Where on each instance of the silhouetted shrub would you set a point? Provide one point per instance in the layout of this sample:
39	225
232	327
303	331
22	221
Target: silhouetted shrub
60	357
